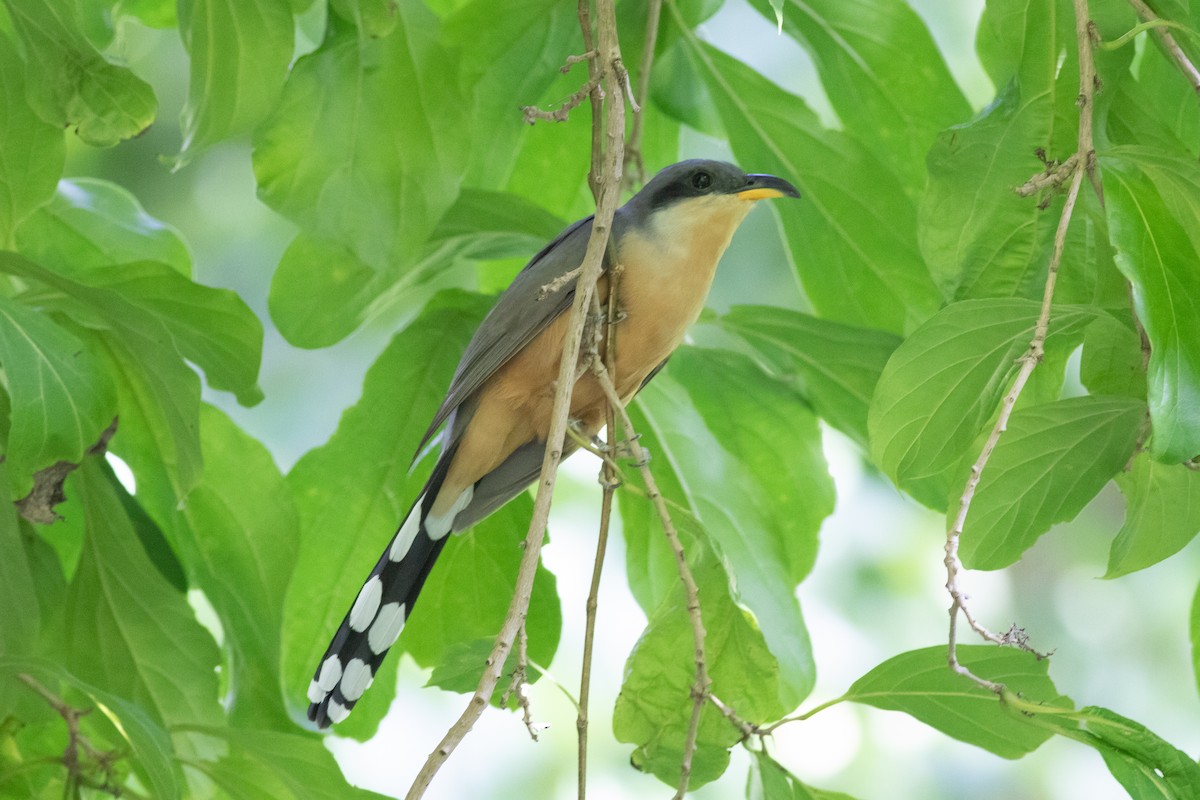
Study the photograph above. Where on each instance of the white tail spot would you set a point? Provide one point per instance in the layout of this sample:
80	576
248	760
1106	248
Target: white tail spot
366	604
407	533
331	673
337	712
356	679
386	627
439	526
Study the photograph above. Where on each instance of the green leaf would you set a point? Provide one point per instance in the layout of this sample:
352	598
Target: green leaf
945	381
212	328
882	72
834	366
238	533
352	492
92	223
870	275
655	706
1145	765
1112	359
126	630
76	86
18	588
33	149
153	755
373	18
920	684
770	781
467	595
239	57
742	454
1194	630
389	114
267	765
151	13
1050	463
61	399
480	225
1162	514
1153	203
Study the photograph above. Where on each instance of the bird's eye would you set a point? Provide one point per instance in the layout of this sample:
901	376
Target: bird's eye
702	180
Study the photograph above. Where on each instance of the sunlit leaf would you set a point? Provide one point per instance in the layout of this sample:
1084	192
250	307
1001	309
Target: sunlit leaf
239	56
238	532
1050	462
882	73
268	765
920	684
18	589
741	454
76	86
834	366
1162	514
33	148
770	781
61	398
943	383
1154	216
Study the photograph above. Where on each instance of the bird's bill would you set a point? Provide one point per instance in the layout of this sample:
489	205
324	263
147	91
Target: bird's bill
766	187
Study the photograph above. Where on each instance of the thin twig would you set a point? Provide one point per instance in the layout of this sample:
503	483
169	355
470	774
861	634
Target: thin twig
1084	164
563	112
1170	47
635	166
701	689
748	729
613	139
558	283
595	71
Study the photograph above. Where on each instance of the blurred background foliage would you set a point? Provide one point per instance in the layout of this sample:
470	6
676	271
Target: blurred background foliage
357	174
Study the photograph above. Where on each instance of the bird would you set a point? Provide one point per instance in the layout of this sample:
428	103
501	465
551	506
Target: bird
668	239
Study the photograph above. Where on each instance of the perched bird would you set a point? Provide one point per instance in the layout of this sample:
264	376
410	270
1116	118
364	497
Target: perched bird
668	239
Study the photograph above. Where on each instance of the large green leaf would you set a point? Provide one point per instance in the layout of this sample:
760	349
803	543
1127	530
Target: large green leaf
882	73
239	56
920	684
238	532
742	454
267	765
353	491
834	366
1194	635
1162	514
1145	765
770	781
467	595
980	238
1051	461
18	590
93	223
61	399
390	119
654	708
213	328
1112	359
126	630
1154	217
853	233
945	381
76	86
31	149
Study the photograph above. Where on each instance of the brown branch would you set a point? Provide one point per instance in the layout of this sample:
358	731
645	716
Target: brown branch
609	52
701	689
635	166
595	71
1084	163
1169	46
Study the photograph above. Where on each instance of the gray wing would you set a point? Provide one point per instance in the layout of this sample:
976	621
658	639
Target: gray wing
517	317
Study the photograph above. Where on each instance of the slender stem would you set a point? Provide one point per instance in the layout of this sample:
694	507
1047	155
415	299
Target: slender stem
635	166
608	53
1084	164
701	689
1171	47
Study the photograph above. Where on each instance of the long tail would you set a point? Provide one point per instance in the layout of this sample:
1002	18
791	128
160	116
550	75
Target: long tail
383	604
